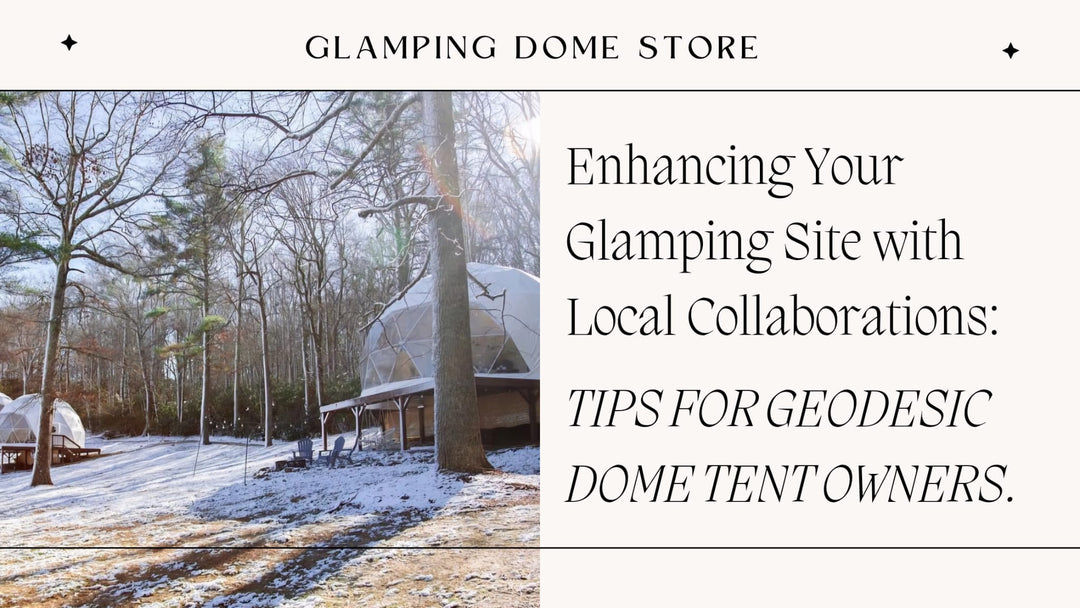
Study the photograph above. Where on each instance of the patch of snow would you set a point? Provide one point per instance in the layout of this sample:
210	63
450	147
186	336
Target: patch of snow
129	497
523	461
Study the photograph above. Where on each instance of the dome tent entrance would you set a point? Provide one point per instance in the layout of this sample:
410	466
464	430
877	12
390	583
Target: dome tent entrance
398	363
19	421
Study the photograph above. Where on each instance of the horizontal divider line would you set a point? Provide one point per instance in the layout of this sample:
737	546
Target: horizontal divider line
548	548
678	90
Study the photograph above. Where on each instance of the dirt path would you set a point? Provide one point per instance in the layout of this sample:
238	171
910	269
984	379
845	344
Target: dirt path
429	568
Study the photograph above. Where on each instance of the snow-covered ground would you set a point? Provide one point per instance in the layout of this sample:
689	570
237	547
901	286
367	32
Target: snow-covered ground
188	508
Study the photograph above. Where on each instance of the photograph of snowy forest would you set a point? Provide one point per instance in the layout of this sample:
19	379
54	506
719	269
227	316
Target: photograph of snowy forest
269	348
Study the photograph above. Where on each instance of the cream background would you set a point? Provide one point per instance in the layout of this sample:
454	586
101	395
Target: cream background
247	44
998	165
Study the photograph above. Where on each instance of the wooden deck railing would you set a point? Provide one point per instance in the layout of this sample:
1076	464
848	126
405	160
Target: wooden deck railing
64	450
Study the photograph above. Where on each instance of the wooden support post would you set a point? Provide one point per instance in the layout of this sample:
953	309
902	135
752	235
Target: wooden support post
357	411
403	406
420	415
533	399
322	424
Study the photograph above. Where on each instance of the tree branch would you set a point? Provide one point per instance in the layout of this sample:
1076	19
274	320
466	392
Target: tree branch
427	201
390	120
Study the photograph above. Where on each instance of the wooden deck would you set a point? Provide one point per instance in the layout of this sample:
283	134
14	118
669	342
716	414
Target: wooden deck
14	456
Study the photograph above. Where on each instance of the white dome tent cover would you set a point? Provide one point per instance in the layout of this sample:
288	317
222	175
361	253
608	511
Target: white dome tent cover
504	323
19	421
4	400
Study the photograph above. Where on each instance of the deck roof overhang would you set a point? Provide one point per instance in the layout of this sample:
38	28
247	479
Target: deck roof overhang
485	383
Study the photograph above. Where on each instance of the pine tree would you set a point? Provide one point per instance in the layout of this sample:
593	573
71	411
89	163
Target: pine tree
188	246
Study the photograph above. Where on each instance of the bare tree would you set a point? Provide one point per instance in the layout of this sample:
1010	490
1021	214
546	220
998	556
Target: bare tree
79	163
304	271
125	298
458	446
24	333
309	220
255	270
502	167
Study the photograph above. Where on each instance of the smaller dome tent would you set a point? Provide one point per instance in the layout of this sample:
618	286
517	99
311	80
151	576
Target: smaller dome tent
4	400
19	421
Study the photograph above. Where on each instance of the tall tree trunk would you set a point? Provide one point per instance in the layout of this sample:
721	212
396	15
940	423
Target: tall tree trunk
316	364
457	416
241	276
123	370
204	405
268	416
97	386
179	389
304	365
42	474
236	354
401	248
148	388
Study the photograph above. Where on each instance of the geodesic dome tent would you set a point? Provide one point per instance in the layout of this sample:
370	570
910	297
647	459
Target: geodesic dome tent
504	319
504	323
4	400
19	421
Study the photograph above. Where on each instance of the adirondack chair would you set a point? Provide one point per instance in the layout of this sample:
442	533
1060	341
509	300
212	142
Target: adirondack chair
330	457
347	453
303	450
